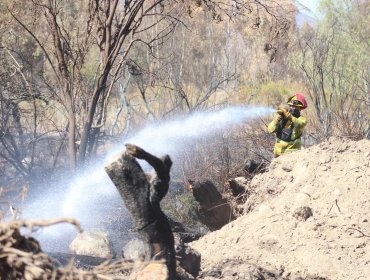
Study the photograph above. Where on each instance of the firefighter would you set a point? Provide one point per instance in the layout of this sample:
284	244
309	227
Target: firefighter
288	125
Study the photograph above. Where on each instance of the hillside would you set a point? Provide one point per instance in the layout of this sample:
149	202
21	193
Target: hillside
279	237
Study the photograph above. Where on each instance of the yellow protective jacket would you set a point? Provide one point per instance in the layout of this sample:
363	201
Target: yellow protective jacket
297	125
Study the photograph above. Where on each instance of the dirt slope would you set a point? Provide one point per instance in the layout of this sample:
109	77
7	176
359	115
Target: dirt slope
333	180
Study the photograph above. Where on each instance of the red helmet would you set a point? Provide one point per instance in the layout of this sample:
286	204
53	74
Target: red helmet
297	100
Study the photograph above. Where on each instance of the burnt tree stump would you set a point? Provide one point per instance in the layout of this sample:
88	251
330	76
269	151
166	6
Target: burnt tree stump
142	196
214	211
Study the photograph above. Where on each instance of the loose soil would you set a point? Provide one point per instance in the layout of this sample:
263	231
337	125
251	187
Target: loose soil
308	217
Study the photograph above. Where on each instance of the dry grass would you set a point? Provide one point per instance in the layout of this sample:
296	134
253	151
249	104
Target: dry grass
22	258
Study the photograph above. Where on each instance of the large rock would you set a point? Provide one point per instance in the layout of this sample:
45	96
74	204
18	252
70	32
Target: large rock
92	243
80	261
134	250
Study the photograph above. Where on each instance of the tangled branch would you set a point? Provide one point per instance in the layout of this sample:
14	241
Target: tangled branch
21	257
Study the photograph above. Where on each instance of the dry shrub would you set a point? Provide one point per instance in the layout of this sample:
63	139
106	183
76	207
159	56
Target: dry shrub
11	195
223	155
217	158
22	258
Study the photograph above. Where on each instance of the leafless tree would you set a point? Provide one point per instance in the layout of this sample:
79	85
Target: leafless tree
87	46
338	92
114	27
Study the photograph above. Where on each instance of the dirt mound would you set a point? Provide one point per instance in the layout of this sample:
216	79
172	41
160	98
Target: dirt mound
309	217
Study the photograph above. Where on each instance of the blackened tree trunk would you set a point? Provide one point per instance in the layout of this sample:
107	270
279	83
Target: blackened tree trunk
142	198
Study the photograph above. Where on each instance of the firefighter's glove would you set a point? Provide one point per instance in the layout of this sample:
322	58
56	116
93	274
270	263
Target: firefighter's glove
284	113
277	117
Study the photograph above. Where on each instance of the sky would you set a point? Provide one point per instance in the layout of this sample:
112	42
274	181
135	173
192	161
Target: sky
310	4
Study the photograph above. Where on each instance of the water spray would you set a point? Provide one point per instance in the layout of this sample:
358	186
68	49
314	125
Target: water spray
91	196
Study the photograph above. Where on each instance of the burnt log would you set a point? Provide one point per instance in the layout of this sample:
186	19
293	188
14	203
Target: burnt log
214	211
253	167
239	189
142	196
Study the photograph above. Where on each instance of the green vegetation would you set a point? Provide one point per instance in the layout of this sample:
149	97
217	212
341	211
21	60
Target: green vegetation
334	60
77	75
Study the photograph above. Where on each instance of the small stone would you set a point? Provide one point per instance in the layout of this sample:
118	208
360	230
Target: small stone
326	159
337	192
302	213
287	168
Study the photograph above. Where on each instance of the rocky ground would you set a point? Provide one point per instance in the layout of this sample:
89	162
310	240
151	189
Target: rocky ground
308	217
